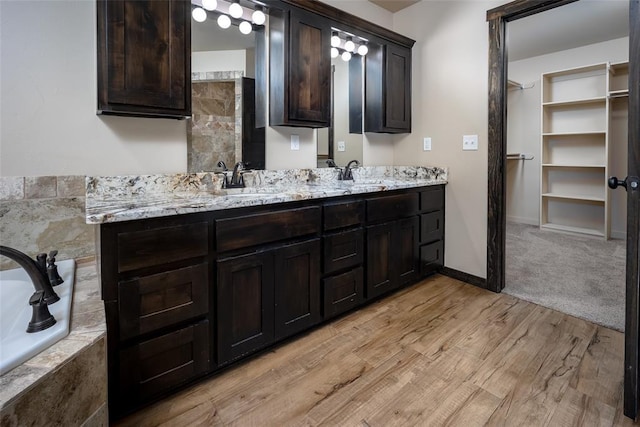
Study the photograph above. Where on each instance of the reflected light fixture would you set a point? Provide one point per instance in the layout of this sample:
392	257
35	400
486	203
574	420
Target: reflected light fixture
346	56
334	52
363	49
245	27
349	45
235	10
210	4
224	21
335	40
258	17
199	14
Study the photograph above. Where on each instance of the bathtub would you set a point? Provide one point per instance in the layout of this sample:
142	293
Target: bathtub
16	345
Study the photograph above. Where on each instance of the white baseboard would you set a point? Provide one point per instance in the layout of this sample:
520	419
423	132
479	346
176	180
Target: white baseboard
617	234
523	220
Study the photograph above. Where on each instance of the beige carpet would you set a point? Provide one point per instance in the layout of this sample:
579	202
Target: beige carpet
579	275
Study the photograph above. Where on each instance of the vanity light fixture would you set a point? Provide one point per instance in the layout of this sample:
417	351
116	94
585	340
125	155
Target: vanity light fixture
334	52
199	14
245	27
349	45
224	21
258	17
363	49
210	4
346	56
235	10
335	39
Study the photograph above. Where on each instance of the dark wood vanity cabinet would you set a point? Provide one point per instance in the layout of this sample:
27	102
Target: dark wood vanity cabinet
388	89
187	295
144	62
299	69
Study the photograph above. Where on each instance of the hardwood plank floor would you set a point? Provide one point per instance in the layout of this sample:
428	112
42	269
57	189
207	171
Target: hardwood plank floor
441	353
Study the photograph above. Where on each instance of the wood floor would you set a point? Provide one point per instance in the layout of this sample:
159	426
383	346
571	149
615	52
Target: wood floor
439	353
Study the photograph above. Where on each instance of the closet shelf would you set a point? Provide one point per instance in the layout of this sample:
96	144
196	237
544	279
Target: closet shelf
557	165
571	229
570	103
597	200
623	93
597	132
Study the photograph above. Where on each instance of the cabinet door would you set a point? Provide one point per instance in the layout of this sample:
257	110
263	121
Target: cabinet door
297	287
299	69
144	66
380	259
405	245
245	305
342	292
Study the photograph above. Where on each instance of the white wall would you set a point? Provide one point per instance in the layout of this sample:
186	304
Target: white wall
48	121
219	60
523	129
450	74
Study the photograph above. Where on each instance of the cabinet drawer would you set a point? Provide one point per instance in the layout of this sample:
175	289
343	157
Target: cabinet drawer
343	250
432	199
431	226
257	229
431	257
146	248
343	292
158	365
392	207
340	215
152	302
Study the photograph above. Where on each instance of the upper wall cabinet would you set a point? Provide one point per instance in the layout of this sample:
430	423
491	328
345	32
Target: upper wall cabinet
388	89
144	66
300	69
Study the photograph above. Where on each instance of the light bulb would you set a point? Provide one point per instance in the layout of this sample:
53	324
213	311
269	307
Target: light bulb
210	4
235	10
335	40
363	50
245	27
350	45
334	52
258	17
224	21
346	56
199	14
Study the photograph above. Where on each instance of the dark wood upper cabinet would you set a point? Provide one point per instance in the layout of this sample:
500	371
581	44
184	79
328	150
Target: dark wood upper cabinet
144	63
388	89
300	69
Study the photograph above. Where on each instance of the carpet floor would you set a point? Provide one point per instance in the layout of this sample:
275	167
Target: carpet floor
582	276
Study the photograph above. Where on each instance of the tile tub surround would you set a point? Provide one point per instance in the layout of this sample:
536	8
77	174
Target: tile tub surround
124	198
69	379
42	213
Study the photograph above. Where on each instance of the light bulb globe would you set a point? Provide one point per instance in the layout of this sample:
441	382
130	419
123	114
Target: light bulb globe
335	41
245	27
334	52
350	45
346	56
210	4
363	50
235	10
224	21
258	17
199	14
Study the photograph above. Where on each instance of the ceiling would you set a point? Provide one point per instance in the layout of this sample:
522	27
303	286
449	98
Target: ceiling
577	24
394	5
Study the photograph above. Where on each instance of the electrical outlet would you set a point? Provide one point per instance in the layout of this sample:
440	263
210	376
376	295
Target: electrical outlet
295	142
341	146
426	144
470	142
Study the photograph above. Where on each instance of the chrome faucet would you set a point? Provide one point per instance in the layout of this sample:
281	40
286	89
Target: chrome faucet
44	295
347	174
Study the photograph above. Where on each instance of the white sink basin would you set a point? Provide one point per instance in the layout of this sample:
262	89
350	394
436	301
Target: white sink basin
16	345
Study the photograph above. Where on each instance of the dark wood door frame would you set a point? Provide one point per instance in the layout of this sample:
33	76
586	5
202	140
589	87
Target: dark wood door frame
497	139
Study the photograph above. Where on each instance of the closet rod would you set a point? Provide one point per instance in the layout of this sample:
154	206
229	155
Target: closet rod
519	156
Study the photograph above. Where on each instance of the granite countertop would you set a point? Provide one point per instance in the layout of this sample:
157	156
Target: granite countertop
124	198
88	325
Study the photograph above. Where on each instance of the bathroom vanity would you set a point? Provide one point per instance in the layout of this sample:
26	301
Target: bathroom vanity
231	273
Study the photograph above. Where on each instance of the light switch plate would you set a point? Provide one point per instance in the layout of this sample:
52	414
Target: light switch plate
295	142
426	144
341	146
470	142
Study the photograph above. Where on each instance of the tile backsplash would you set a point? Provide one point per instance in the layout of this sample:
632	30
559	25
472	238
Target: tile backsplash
43	213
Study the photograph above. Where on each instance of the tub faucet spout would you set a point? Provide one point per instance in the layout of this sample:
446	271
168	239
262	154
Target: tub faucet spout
36	270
